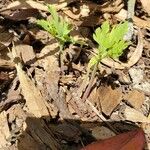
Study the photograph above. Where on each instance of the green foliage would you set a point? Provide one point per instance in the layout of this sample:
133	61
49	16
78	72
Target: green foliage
57	26
110	41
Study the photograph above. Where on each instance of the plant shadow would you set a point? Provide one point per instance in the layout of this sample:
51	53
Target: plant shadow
49	134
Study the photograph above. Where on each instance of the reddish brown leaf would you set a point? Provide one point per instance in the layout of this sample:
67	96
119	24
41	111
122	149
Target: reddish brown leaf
133	140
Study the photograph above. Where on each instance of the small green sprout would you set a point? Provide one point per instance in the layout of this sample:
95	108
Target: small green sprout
111	42
58	27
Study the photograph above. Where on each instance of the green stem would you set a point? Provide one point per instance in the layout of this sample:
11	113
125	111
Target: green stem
88	89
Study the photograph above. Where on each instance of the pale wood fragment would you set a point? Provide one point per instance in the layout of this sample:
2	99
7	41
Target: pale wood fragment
34	100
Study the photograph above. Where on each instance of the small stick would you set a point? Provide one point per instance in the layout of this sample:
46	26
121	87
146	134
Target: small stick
130	15
87	91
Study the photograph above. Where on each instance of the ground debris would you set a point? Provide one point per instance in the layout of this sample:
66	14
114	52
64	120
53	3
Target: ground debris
42	87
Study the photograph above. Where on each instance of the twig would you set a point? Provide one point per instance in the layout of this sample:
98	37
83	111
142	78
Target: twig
87	91
101	116
130	15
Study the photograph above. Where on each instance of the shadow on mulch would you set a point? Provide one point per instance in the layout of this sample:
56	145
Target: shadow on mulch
48	134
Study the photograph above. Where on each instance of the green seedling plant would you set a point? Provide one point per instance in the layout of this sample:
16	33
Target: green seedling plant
111	44
58	27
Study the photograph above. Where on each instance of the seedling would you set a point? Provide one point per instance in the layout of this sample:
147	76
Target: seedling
111	43
58	27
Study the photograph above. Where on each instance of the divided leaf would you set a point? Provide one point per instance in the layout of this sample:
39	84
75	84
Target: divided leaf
57	26
118	32
111	43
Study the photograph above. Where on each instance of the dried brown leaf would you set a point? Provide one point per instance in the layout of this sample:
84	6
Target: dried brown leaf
133	140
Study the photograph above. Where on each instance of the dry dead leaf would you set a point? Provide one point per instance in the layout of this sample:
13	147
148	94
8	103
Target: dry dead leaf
33	97
135	98
109	98
133	115
132	140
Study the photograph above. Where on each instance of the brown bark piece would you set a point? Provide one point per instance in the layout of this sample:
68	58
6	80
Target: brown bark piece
109	98
37	136
135	98
51	66
20	15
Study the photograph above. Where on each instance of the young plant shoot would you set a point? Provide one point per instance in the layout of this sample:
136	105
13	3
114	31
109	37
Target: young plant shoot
58	27
111	44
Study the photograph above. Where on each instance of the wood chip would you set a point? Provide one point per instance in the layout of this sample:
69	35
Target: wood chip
4	130
52	75
102	132
26	52
146	4
37	135
135	98
109	99
36	5
122	15
133	115
33	97
20	15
